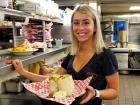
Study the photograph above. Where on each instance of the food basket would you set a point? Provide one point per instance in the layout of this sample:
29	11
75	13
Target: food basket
41	90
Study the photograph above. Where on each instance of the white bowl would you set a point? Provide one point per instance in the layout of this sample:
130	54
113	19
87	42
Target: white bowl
29	52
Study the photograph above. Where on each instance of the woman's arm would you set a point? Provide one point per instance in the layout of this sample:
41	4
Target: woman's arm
61	71
20	69
111	92
32	76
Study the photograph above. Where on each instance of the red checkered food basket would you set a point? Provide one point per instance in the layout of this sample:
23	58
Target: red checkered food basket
41	90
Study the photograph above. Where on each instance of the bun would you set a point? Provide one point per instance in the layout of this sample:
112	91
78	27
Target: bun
60	94
66	83
53	87
61	85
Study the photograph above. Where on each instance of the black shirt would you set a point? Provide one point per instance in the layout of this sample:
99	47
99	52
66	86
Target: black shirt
100	65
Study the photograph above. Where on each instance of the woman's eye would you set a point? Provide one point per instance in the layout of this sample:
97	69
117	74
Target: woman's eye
86	22
75	23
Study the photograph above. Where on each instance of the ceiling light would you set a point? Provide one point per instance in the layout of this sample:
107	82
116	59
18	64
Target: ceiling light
134	8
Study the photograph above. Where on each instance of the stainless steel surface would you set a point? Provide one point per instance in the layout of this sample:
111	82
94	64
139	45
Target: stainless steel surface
122	59
124	72
120	50
107	6
5	51
118	7
14	32
13	85
13	14
123	50
10	14
6	68
122	55
19	99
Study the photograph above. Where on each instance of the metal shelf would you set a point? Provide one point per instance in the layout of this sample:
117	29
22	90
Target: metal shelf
134	23
10	14
20	16
6	68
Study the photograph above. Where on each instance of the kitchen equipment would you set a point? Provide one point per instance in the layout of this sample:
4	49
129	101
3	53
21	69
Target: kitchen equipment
13	85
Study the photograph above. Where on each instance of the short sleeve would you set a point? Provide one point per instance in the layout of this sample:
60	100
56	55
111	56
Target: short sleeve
66	61
110	64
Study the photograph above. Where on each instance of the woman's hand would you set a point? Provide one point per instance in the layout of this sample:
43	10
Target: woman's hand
32	76
90	93
18	66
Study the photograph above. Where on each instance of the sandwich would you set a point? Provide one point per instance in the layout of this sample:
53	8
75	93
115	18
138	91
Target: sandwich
60	86
66	83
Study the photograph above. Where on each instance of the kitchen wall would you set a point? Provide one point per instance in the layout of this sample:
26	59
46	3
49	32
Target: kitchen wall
134	33
62	31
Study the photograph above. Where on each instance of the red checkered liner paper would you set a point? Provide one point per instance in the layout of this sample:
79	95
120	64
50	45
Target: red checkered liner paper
41	90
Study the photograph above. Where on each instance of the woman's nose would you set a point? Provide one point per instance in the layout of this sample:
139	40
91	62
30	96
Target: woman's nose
81	26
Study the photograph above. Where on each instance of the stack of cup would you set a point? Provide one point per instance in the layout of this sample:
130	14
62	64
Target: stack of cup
58	42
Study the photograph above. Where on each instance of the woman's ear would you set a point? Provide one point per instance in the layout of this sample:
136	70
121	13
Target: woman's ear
94	31
95	27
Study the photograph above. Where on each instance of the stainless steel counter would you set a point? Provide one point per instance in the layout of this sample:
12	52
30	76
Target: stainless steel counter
6	68
122	55
19	99
125	50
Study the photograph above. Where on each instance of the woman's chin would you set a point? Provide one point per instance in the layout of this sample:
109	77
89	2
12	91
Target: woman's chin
82	40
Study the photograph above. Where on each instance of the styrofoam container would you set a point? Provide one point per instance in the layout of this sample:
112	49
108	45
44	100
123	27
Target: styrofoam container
59	42
4	3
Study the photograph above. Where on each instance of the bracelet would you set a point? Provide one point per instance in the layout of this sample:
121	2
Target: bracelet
97	93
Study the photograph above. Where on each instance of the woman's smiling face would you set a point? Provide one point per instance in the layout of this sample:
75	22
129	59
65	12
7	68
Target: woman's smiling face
83	26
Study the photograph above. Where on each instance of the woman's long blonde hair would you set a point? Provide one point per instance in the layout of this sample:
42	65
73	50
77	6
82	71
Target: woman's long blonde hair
98	39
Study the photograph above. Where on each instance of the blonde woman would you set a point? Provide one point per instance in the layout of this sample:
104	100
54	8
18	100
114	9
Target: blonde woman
88	55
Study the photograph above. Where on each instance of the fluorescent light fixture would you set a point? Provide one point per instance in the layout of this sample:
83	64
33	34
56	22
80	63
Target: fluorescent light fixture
134	8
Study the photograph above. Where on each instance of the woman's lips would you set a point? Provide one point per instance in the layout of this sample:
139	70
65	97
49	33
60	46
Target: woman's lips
81	34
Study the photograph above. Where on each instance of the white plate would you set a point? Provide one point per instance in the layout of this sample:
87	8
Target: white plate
23	52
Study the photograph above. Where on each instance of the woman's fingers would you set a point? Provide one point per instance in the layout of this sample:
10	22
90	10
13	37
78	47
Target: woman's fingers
17	64
90	94
8	61
86	99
